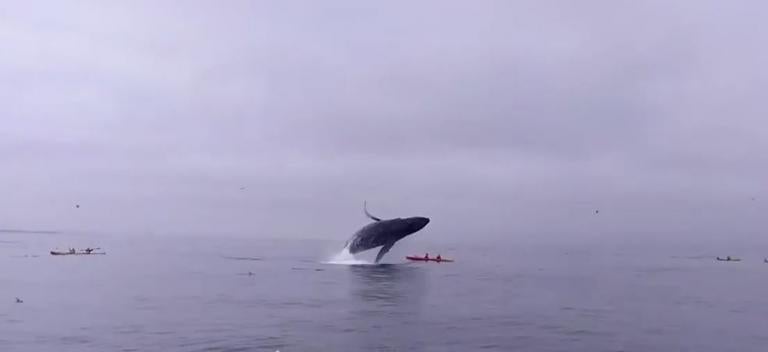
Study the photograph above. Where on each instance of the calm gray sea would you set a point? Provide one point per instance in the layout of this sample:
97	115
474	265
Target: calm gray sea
196	294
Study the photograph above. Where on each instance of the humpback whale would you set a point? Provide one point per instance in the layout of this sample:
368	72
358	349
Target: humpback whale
383	233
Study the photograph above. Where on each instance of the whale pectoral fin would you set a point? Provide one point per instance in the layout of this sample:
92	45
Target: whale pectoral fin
365	209
384	251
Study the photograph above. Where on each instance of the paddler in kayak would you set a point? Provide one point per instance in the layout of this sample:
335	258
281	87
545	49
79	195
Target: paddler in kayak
438	258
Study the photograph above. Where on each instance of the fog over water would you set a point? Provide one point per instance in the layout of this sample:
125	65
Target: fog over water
499	120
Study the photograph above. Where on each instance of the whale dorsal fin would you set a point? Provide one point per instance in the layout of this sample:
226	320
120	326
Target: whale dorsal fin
365	209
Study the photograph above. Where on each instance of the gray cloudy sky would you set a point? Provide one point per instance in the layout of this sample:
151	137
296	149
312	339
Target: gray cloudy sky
511	119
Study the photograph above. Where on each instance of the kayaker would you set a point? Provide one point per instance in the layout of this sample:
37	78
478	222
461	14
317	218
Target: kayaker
439	258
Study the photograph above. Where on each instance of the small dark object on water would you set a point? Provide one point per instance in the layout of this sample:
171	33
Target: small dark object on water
18	300
728	259
73	252
77	206
597	211
242	258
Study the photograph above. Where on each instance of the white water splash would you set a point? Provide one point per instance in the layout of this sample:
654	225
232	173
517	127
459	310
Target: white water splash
346	258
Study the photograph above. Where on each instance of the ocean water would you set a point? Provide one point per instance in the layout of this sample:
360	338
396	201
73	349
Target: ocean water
222	294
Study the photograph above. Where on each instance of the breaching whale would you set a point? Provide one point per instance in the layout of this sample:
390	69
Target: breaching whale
383	233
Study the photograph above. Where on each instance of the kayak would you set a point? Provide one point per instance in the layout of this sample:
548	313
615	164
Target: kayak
77	253
728	260
422	259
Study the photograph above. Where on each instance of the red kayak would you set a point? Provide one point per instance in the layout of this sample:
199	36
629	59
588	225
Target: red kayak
422	259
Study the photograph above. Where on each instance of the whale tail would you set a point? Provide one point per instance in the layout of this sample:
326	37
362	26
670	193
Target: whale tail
365	210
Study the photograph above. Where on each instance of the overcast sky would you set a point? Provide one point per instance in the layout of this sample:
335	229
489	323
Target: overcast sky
497	119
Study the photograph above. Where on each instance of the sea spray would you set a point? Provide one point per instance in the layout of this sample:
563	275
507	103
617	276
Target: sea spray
346	258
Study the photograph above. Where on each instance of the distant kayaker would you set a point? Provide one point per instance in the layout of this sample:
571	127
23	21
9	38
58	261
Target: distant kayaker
439	258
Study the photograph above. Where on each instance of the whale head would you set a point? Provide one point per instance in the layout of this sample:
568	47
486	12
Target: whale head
415	223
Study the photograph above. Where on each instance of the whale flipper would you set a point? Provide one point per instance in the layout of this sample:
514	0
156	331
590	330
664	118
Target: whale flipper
384	251
365	209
